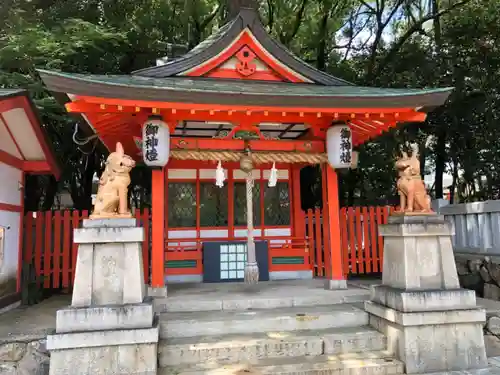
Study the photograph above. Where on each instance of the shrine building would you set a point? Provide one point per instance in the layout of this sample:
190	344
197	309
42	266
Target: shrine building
238	94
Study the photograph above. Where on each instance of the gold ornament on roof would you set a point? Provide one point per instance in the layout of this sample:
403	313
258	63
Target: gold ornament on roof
111	200
411	188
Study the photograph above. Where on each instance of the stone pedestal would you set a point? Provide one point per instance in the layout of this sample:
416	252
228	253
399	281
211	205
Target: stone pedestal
110	327
431	324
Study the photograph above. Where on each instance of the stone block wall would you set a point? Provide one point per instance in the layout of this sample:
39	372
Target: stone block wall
480	273
24	356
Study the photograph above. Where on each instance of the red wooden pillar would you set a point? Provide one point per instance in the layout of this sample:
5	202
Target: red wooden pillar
299	225
158	228
331	209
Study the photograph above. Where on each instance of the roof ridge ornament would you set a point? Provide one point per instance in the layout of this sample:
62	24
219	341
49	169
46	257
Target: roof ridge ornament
235	6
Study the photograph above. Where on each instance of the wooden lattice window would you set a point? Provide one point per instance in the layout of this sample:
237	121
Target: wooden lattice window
277	205
240	204
213	205
182	205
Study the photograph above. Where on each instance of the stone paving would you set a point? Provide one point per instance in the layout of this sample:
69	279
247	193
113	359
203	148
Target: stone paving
23	330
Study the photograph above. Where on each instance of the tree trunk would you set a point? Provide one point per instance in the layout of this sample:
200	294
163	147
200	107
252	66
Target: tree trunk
440	162
50	194
32	193
321	50
81	183
454	180
351	187
422	153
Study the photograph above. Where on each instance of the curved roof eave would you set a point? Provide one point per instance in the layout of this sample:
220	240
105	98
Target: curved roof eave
233	92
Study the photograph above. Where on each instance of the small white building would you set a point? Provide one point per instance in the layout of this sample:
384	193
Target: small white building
24	149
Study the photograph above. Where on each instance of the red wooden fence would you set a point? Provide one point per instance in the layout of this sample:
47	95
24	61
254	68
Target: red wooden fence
362	246
48	244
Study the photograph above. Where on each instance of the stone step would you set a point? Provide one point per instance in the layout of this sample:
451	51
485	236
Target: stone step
208	323
367	363
251	347
267	299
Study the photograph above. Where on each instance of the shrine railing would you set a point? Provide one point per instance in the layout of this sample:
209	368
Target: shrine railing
48	247
49	250
362	247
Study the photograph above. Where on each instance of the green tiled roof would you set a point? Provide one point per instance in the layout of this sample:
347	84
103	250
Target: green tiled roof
11	92
236	87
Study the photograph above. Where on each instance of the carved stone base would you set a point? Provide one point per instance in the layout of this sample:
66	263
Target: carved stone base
418	254
110	352
109	268
110	328
432	341
431	324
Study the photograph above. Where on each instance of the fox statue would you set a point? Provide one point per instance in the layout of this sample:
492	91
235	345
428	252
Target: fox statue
412	193
111	199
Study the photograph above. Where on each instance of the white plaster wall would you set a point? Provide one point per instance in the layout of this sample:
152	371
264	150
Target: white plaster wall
9	186
188	234
10	221
278	232
244	233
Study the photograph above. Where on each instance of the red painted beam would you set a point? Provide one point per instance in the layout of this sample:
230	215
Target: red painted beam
12	103
10	207
36	166
8	159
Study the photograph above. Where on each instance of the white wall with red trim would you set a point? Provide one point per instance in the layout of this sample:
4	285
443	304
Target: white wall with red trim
11	207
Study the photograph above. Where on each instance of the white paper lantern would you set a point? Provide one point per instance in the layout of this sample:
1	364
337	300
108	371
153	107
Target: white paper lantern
155	143
339	146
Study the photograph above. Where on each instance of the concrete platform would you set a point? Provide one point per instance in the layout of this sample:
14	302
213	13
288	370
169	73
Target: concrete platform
368	363
252	347
204	323
265	295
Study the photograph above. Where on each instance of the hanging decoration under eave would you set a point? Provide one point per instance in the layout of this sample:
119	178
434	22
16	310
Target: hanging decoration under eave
339	146
273	176
219	175
155	142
